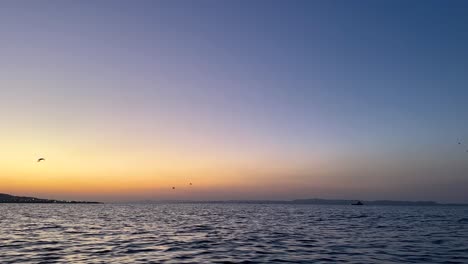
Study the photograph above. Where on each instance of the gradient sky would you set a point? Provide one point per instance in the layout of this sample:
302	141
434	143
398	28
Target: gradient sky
246	99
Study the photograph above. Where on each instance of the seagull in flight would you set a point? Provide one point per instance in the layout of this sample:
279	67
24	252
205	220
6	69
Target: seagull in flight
40	159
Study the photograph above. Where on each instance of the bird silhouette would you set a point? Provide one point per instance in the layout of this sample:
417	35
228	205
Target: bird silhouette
190	183
40	159
173	188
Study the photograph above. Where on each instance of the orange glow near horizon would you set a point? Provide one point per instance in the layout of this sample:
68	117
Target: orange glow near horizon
77	169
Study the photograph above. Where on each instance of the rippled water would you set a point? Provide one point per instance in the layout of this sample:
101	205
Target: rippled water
241	233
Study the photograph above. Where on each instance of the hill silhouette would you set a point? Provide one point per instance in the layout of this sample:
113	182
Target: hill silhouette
7	198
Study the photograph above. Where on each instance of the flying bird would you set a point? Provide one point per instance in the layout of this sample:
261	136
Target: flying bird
40	159
191	183
173	188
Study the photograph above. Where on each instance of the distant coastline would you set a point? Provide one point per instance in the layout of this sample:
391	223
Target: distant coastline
7	198
313	201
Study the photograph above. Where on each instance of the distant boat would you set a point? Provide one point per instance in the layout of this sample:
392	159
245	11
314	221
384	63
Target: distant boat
357	203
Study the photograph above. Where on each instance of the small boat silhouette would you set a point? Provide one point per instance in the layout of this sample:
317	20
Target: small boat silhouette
357	203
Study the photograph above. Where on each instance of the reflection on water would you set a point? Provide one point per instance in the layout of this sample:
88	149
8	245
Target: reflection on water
208	233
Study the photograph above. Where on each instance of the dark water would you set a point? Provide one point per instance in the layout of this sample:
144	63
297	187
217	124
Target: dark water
204	233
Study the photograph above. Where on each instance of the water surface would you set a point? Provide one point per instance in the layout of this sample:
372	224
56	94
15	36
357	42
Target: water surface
241	233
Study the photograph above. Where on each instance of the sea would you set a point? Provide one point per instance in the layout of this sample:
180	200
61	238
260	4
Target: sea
232	233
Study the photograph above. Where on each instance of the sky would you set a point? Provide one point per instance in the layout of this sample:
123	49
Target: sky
244	99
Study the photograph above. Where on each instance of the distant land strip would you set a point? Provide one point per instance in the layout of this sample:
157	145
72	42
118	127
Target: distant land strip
6	198
313	201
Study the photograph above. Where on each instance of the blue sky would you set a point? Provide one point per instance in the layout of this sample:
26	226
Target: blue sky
371	92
